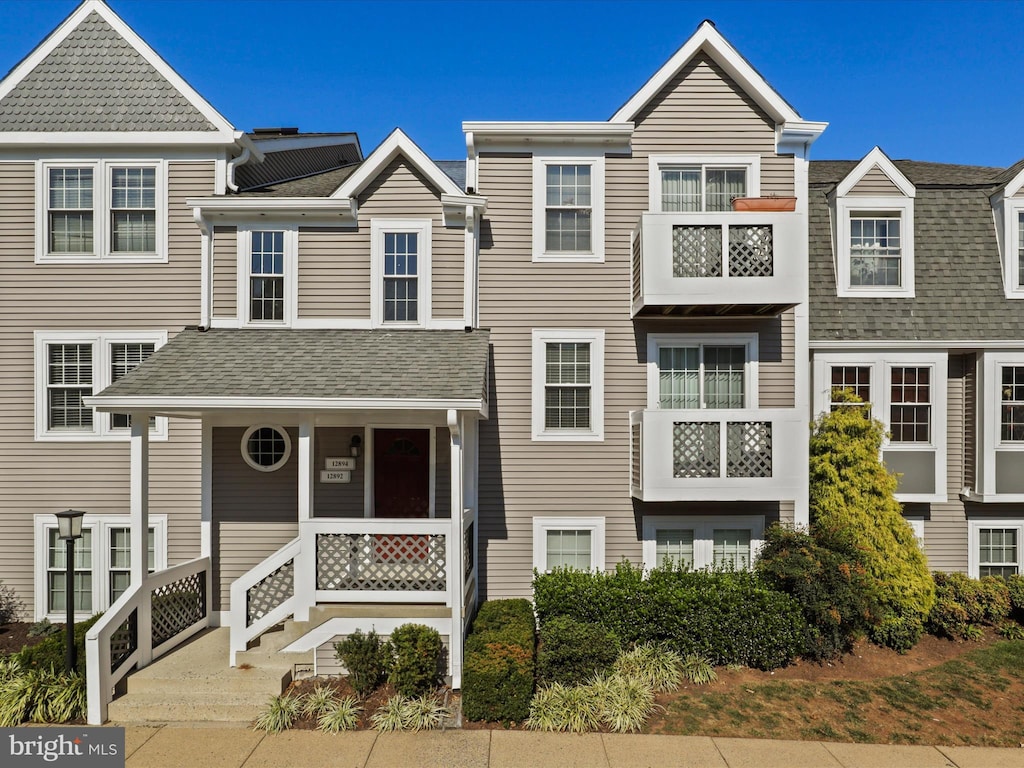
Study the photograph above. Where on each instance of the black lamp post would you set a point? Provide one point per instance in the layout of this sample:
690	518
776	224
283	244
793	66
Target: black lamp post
69	528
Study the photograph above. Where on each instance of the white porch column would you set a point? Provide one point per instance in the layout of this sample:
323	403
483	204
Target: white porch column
139	508
456	571
305	563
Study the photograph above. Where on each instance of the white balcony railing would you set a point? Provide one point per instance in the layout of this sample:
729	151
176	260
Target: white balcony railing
717	455
716	259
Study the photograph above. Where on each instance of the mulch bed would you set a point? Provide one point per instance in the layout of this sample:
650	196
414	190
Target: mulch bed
341	688
14	637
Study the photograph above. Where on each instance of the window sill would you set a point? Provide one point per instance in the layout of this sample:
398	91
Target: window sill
569	258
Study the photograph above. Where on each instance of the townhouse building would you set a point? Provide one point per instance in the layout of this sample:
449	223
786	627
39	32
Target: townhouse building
339	391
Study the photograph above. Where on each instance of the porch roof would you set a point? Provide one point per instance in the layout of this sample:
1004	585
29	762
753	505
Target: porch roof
307	368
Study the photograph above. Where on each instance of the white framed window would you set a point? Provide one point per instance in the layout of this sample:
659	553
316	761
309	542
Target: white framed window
702	542
910	404
875	244
568	207
1011	403
995	547
73	365
710	371
102	563
101	210
568	542
701	183
854	378
916	523
267	266
568	384
266	447
400	272
1009	214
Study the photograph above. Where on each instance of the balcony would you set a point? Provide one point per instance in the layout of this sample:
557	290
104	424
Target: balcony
729	263
717	455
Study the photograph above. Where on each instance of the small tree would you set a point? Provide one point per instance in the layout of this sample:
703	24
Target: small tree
853	495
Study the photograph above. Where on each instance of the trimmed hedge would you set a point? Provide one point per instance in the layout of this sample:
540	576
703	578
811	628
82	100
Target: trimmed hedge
49	655
962	604
571	651
417	655
497	672
729	617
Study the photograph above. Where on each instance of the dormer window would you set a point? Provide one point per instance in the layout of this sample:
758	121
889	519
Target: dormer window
876	253
1020	250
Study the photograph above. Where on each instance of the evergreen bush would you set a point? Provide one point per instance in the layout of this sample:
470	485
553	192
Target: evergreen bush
366	658
49	654
963	604
10	606
852	494
417	655
498	668
572	652
1015	587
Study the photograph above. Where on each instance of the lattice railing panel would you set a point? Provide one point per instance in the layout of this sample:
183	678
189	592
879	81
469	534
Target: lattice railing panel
748	449
125	641
750	251
636	457
467	549
695	449
177	606
381	562
696	251
637	260
263	597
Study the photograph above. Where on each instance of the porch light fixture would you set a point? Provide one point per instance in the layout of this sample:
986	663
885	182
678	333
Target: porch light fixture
355	445
69	529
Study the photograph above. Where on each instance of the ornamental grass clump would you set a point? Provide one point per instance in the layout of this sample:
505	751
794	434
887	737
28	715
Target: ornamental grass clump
698	669
280	713
39	695
657	667
318	701
341	715
557	707
623	704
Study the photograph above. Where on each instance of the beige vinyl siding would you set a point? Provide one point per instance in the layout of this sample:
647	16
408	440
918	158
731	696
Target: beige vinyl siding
225	272
334	264
102	297
702	109
334	273
254	513
876	183
338	499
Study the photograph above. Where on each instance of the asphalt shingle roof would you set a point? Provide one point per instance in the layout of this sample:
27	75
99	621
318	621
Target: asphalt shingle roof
957	272
295	164
325	184
313	363
96	81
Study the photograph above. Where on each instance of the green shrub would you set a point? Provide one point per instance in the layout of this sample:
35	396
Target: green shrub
1015	588
573	651
900	634
10	606
49	654
498	669
963	603
729	617
417	654
40	695
852	494
824	571
366	658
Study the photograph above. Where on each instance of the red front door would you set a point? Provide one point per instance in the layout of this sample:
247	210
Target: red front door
401	472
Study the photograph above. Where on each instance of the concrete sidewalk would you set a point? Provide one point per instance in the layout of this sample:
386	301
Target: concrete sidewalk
204	746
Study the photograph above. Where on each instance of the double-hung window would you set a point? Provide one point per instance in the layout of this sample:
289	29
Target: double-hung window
1020	250
699	542
400	252
995	547
876	251
401	277
74	365
910	404
568	542
99	210
855	379
102	563
1011	419
568	208
266	277
568	384
701	188
690	372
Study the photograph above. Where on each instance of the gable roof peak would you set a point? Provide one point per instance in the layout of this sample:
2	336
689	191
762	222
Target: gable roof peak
876	158
397	143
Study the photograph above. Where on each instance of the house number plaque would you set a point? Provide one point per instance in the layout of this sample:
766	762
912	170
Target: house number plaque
336	476
339	462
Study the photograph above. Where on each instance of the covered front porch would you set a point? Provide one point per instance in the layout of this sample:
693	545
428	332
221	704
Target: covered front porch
354	488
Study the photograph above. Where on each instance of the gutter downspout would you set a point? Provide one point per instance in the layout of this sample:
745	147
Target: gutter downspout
242	159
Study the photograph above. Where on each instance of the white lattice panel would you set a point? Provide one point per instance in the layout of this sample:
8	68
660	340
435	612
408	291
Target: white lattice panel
381	562
695	449
750	251
264	596
696	251
749	449
178	606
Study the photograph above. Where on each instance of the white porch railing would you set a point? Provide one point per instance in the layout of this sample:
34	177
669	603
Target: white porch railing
148	620
263	596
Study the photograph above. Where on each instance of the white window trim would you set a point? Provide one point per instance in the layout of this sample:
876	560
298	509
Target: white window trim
703	535
879	377
990	442
100	341
752	163
904	207
101	525
244	272
544	336
102	171
916	523
1013	209
378	228
244	447
595	159
750	372
541	526
975	525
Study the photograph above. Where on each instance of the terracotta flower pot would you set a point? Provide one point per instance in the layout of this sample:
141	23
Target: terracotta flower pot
764	204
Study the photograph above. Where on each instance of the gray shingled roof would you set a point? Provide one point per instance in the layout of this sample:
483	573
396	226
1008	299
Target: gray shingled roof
95	81
957	272
317	185
306	363
295	164
454	170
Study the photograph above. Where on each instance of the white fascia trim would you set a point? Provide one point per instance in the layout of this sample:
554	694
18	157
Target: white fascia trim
1014	185
243	271
845	207
876	157
657	340
553	156
541	337
273	144
113	138
471	201
107	14
596	526
974	525
711	41
395	144
655	162
869	345
797	133
100	341
485	135
294	206
424	266
172	404
703	534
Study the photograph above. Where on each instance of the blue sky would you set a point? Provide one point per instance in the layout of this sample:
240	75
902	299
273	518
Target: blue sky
936	81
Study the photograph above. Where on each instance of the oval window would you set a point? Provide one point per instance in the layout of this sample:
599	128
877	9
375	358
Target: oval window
265	447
